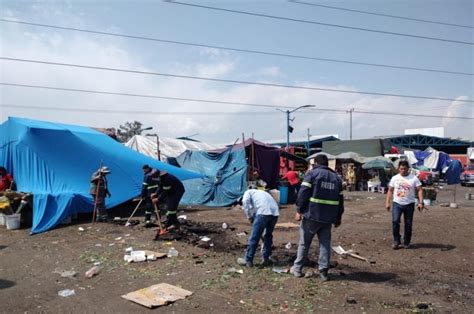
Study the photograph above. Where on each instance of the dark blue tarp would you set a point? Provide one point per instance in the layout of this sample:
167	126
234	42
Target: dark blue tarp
224	177
55	162
453	174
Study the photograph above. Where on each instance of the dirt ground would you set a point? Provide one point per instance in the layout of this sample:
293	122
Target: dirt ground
434	276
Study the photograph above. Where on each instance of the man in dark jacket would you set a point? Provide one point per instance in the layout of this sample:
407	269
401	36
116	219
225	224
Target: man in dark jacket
169	192
99	189
320	204
149	186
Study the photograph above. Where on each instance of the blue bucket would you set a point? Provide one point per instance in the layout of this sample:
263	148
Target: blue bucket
283	194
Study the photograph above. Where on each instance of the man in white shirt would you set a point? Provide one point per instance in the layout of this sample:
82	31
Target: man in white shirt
262	211
404	187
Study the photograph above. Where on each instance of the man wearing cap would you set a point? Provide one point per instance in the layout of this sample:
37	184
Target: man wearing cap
99	190
319	205
149	186
169	192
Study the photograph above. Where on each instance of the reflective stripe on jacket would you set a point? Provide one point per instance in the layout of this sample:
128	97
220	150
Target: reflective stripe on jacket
320	197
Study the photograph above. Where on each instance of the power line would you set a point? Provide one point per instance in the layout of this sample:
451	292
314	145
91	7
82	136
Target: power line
320	23
380	14
310	110
229	80
261	52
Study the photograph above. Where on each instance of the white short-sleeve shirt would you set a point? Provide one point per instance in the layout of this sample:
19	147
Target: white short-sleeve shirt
404	188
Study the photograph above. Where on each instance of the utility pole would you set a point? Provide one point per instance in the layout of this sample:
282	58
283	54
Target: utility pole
350	122
308	147
288	130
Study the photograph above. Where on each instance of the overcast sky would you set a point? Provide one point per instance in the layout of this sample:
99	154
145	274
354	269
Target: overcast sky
225	123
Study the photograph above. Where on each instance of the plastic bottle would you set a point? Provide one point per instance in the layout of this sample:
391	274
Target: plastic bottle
92	272
172	252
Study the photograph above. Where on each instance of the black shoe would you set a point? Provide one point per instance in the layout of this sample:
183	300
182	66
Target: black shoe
266	263
407	246
323	274
396	246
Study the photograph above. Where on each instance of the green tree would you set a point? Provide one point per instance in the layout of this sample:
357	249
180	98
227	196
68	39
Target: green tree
128	130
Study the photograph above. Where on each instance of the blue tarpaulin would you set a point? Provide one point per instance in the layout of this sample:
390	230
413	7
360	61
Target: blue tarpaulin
224	177
55	162
453	174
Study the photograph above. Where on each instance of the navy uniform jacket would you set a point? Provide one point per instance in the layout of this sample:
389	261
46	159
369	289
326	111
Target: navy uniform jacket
320	197
150	183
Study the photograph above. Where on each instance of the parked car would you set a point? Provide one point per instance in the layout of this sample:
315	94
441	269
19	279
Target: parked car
467	177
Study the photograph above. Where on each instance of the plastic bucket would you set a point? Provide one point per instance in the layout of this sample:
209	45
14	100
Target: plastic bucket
427	202
13	221
283	194
2	220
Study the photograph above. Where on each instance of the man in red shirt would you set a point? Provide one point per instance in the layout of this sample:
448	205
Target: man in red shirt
294	184
6	179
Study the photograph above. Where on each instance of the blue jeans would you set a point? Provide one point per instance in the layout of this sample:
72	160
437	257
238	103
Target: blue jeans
308	229
261	223
407	211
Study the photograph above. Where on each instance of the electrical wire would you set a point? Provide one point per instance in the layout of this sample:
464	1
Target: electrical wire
307	110
379	14
319	23
261	52
231	81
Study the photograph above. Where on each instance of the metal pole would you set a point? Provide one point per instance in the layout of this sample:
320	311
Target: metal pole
350	117
158	147
288	130
308	147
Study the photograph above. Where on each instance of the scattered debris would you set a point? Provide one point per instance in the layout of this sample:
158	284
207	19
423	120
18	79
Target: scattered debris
80	229
351	300
339	250
129	250
225	225
111	244
281	270
444	205
66	293
205	239
241	234
92	272
422	306
157	295
172	252
288	246
97	263
98	245
371	198
234	270
66	273
118	239
184	217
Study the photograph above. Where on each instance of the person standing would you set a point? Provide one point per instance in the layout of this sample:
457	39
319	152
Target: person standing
99	190
293	184
319	205
262	211
403	187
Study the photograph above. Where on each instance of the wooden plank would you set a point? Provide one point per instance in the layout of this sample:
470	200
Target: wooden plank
287	225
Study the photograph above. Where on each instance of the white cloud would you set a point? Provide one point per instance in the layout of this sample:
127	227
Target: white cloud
36	43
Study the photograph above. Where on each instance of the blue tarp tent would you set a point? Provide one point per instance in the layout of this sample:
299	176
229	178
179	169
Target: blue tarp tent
55	162
224	176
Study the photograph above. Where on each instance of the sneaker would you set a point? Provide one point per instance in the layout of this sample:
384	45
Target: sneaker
396	246
241	261
323	274
297	274
407	246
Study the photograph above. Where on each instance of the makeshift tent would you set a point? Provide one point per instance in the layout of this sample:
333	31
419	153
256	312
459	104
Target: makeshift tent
429	158
378	163
262	157
225	177
55	162
169	147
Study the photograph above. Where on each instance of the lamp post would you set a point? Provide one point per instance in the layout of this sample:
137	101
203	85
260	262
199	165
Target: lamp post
158	152
288	112
139	131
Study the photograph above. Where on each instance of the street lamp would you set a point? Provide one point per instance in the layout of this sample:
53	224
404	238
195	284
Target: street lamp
288	127
139	131
158	153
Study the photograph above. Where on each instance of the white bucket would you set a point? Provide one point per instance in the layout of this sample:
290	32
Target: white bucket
2	220
427	202
13	221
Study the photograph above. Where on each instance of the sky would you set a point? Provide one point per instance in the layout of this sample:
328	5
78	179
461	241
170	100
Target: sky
224	123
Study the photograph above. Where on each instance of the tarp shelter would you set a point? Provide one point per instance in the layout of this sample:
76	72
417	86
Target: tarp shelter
365	148
224	181
169	147
429	158
55	162
265	158
378	163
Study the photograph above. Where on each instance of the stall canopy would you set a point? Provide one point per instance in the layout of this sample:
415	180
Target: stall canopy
365	148
55	162
265	158
429	158
169	147
224	177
